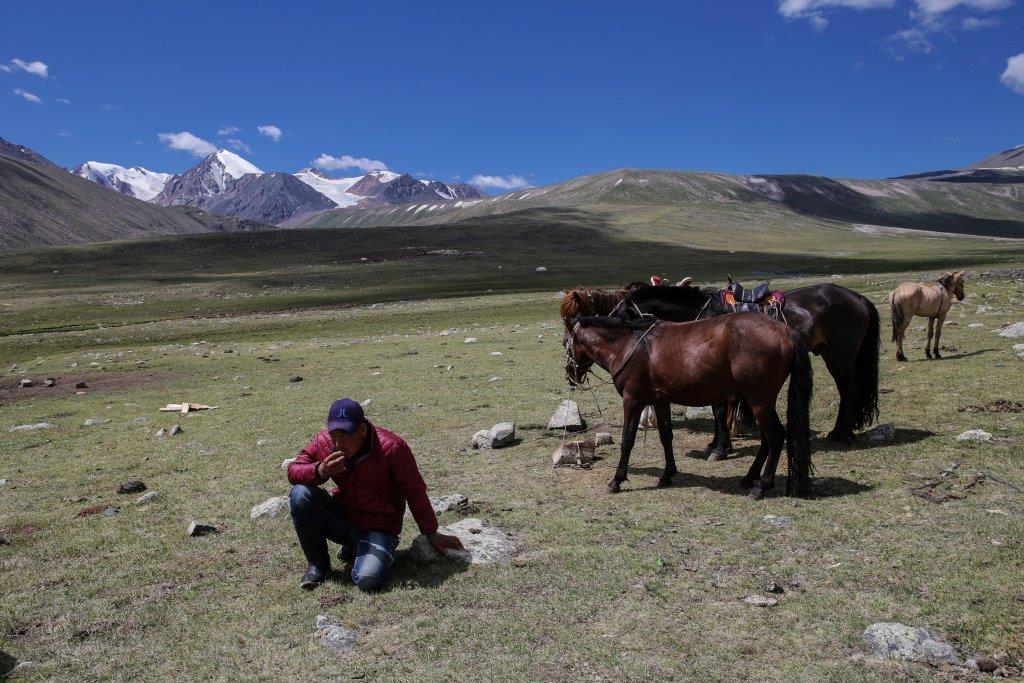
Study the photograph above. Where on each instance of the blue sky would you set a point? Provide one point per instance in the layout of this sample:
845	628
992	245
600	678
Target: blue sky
519	92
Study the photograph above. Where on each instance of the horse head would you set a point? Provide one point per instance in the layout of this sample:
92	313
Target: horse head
954	284
577	359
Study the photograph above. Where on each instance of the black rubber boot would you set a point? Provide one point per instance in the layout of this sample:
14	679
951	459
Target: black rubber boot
314	547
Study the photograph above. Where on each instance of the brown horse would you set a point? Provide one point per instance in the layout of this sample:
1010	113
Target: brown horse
931	300
697	364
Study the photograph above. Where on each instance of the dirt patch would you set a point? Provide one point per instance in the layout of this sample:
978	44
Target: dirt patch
1001	405
11	391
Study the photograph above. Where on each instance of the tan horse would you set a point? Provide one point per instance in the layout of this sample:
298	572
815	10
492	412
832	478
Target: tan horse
931	300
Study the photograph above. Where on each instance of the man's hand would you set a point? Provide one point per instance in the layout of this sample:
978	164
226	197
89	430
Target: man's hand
334	465
442	542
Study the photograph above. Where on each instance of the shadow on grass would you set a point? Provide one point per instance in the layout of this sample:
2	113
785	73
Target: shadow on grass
862	443
408	571
967	354
7	664
825	487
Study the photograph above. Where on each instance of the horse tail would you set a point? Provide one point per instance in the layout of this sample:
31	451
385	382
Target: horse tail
896	309
798	420
865	408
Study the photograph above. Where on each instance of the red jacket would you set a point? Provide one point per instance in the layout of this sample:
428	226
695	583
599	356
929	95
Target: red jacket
375	493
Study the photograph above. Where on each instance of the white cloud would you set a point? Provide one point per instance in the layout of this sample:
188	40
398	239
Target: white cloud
497	182
63	132
27	95
936	7
187	142
329	163
814	10
229	130
235	143
63	101
4	68
37	68
1013	77
977	23
909	40
272	132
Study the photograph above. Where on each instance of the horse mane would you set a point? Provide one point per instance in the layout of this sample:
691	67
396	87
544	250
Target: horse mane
946	280
694	296
600	300
613	322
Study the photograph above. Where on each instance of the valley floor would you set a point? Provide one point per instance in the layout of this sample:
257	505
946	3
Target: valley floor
648	584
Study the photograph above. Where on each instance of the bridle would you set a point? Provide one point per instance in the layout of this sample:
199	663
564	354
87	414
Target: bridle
571	363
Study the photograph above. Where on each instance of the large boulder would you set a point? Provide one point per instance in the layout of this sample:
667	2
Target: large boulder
891	640
502	434
975	435
567	417
484	544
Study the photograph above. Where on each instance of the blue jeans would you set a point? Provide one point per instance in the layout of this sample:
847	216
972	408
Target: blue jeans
318	517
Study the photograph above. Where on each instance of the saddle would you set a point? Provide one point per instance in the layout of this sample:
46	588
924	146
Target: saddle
760	299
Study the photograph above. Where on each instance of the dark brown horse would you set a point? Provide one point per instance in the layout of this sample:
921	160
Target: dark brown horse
701	363
838	324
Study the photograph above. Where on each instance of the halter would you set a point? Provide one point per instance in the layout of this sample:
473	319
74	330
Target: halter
570	356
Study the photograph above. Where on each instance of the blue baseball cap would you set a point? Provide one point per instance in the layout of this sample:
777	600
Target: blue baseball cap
346	415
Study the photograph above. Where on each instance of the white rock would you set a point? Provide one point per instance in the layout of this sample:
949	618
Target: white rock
481	440
495	353
891	640
1018	347
201	529
567	416
33	427
270	508
976	326
338	639
261	443
502	434
1014	330
760	601
702	412
573	453
471	340
602	438
447	503
146	497
975	435
484	544
286	463
541	269
777	520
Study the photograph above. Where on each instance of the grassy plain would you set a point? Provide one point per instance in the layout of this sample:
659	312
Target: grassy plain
647	584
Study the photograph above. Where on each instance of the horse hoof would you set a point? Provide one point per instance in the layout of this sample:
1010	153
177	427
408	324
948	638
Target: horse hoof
756	494
901	358
664	483
937	356
612	487
715	456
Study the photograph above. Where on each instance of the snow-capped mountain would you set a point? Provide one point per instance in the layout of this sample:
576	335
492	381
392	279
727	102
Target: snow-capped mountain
135	182
226	183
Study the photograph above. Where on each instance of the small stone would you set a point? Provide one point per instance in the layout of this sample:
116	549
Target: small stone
494	379
160	433
495	353
699	412
976	326
338	639
132	486
146	497
776	520
883	432
760	601
26	383
175	430
33	427
200	529
1018	347
261	443
296	378
92	422
541	269
602	438
897	641
111	512
502	434
455	501
567	416
270	508
573	453
286	463
94	364
975	435
81	385
471	340
50	382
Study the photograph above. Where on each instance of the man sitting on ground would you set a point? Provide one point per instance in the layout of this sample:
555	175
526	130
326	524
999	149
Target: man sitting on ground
375	475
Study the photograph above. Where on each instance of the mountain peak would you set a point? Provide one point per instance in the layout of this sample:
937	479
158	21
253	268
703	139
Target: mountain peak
234	165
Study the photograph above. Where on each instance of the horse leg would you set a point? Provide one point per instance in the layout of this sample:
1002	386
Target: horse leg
755	467
900	333
720	446
664	413
938	333
842	371
630	423
928	344
775	434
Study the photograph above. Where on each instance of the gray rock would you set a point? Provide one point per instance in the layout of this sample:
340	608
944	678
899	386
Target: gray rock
975	435
50	382
325	620
890	640
573	453
567	416
1012	331
602	438
33	427
111	512
270	508
455	501
776	520
471	340
26	383
502	434
161	433
200	529
883	432
760	601
699	412
92	422
484	544
175	430
975	326
481	440
146	497
81	385
338	639
286	463
1018	347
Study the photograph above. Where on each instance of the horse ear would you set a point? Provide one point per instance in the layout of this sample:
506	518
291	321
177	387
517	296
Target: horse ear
577	298
728	279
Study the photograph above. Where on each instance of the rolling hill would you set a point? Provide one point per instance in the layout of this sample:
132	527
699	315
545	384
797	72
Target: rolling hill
43	205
